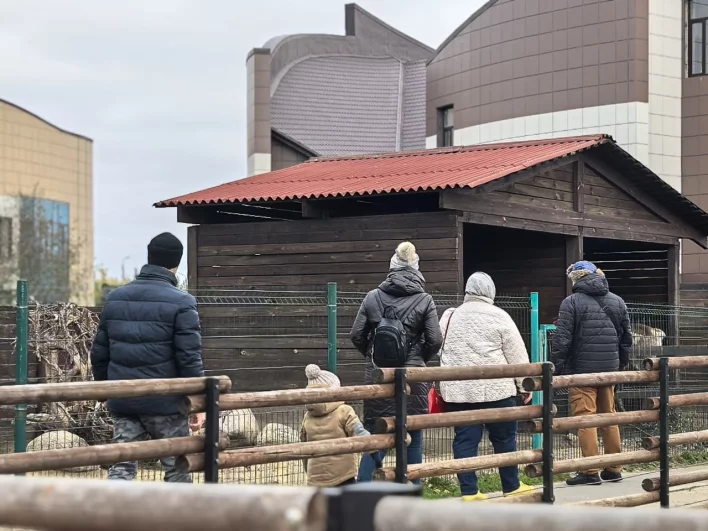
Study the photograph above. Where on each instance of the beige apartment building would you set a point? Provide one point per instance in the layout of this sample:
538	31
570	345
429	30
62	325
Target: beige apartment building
46	209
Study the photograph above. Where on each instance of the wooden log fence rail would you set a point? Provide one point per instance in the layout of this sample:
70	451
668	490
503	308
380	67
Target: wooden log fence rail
95	505
104	454
599	420
451	374
461	418
677	479
594	380
289	452
460	466
399	513
58	459
73	391
195	454
292	397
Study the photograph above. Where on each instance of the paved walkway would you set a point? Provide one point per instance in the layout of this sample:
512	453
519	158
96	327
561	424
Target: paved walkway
685	495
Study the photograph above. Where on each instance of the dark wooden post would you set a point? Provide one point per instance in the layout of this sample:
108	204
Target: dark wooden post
192	267
574	244
573	253
579	185
674	297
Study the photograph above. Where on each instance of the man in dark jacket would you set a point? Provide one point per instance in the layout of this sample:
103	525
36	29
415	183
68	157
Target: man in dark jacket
149	329
404	291
593	335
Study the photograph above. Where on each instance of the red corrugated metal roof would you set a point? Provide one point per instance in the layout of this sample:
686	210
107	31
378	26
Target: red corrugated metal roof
429	170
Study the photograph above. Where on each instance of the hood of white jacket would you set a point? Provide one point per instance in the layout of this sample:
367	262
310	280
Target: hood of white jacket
482	286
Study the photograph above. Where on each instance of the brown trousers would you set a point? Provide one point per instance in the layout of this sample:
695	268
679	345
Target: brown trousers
589	401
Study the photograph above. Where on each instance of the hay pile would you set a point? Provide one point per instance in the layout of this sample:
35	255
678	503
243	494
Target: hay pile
62	335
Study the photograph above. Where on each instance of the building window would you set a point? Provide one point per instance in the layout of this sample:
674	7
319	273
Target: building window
697	37
446	126
5	239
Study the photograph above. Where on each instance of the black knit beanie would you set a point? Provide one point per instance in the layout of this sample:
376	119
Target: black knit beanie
165	250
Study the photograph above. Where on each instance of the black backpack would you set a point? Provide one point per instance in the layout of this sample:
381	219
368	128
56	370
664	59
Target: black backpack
390	341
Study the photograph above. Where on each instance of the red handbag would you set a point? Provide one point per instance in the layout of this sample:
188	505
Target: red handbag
436	404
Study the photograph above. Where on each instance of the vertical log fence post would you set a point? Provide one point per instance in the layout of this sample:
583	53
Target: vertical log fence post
548	496
332	327
664	432
535	357
21	355
211	435
401	426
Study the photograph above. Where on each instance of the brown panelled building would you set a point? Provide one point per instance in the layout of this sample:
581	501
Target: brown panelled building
517	59
634	69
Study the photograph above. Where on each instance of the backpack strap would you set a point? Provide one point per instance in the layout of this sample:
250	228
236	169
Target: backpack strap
382	306
411	306
447	329
408	309
616	326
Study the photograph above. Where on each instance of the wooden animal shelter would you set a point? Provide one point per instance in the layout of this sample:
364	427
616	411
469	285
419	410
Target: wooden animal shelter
519	211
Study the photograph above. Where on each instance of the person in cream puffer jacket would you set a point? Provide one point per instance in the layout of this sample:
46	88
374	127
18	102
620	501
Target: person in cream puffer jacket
479	333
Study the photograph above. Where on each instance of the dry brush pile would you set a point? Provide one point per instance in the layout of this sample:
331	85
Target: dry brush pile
62	335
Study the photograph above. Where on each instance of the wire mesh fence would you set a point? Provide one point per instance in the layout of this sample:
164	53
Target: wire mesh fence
656	326
263	340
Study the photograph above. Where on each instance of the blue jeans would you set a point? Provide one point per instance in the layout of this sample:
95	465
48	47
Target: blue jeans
415	457
502	435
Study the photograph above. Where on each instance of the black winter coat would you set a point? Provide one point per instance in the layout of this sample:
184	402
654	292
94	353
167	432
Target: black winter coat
421	322
593	332
148	329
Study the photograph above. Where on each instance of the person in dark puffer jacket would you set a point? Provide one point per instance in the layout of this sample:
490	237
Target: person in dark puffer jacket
593	335
403	286
149	329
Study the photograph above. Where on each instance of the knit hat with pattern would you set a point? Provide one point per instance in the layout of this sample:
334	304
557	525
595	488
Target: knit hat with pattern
316	376
582	269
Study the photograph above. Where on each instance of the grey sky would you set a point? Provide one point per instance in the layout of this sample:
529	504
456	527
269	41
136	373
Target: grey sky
160	87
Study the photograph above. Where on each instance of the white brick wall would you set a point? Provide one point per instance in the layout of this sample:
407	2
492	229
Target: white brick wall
258	163
665	72
627	123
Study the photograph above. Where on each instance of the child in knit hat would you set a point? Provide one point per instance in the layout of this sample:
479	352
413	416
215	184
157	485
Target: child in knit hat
330	420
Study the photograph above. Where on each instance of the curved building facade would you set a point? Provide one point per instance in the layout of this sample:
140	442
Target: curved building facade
46	209
312	95
633	69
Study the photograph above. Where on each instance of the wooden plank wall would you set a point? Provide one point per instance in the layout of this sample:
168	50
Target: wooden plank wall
636	272
604	199
554	190
305	255
694	294
267	346
519	262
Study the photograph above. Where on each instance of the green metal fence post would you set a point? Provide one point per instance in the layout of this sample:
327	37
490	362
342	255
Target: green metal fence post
21	351
332	327
536	358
